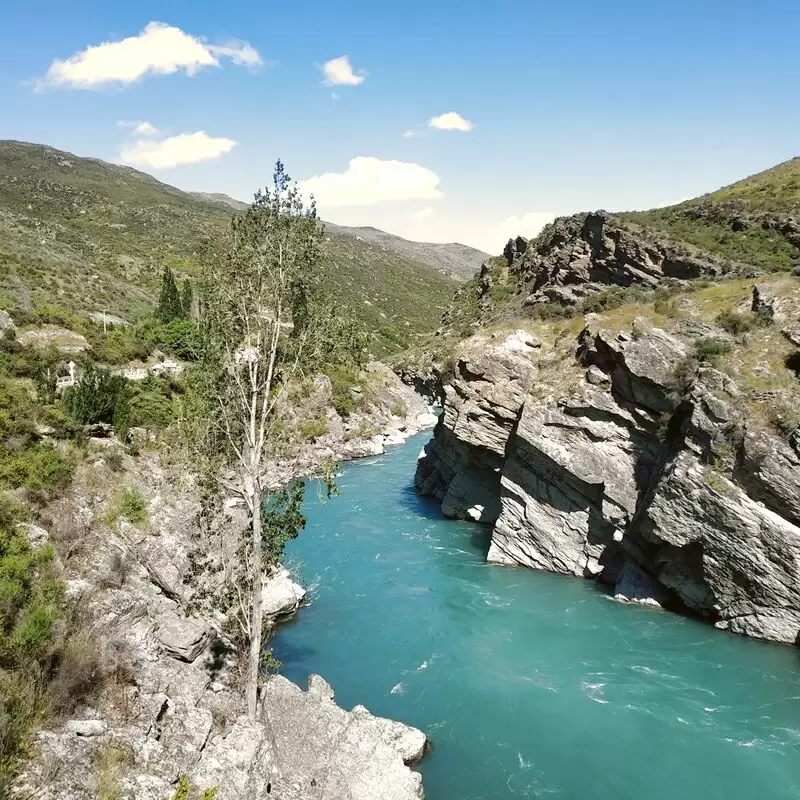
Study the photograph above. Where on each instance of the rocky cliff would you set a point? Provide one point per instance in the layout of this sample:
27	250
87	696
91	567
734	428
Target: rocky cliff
154	686
652	458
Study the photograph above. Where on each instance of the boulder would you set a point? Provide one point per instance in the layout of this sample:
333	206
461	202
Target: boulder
183	638
64	340
281	596
641	368
87	727
37	537
310	733
6	323
765	305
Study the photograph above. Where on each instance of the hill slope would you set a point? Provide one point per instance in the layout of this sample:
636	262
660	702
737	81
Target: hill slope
91	236
751	221
456	259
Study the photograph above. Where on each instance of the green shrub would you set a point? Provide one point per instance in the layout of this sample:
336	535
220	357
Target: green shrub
683	374
113	457
120	346
343	379
23	703
344	404
31	603
613	298
183	791
146	404
394	336
40	467
95	397
667	308
736	322
179	338
398	410
784	418
717	482
711	349
314	428
132	506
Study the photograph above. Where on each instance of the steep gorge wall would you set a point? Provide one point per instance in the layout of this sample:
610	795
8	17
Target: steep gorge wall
675	498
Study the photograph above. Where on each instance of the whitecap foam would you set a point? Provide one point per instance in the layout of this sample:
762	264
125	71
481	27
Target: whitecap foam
594	691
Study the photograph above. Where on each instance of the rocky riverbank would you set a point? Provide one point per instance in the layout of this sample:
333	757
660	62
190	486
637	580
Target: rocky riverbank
159	687
638	455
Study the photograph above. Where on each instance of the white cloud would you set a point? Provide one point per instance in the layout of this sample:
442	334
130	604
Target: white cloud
423	213
451	121
527	225
409	134
145	129
242	53
339	72
139	126
185	148
160	49
368	181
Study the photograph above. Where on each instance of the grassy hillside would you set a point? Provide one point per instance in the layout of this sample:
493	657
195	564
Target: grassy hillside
751	221
90	236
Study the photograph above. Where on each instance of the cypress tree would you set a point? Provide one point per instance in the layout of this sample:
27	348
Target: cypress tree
187	299
169	302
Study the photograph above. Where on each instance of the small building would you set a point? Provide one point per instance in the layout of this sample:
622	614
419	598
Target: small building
69	380
167	367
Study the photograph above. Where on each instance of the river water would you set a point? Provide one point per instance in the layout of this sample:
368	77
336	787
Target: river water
528	684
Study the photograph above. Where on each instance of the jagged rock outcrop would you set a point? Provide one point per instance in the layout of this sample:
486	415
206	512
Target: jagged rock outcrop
669	492
586	253
302	747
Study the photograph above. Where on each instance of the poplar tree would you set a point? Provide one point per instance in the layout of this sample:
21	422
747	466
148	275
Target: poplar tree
255	318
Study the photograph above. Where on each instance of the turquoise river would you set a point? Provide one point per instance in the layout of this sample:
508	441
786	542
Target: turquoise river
528	684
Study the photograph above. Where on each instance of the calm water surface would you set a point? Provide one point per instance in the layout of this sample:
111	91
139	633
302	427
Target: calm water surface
528	684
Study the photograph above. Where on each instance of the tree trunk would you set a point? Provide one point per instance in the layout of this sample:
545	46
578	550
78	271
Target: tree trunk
253	667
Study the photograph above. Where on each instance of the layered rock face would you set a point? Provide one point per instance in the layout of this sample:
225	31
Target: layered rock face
462	463
667	492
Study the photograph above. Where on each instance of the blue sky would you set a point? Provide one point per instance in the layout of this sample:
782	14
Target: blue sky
569	106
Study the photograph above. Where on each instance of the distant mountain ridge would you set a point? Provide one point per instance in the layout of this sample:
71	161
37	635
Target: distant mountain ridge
459	260
221	197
